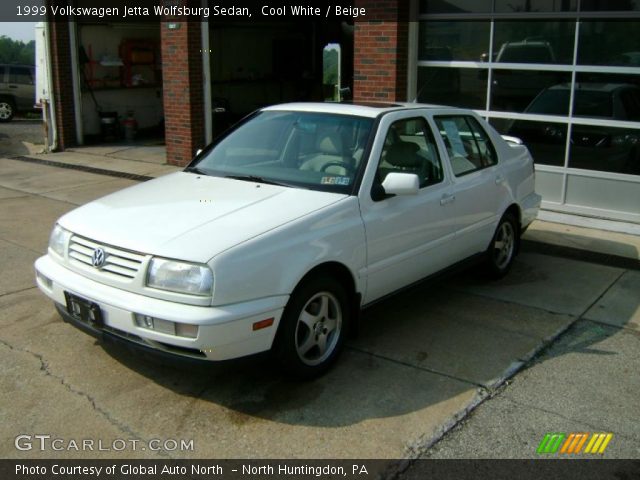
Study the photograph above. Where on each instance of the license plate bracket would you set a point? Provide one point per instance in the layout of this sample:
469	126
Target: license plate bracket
84	310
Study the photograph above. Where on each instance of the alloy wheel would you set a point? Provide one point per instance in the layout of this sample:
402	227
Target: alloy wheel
318	329
504	245
6	111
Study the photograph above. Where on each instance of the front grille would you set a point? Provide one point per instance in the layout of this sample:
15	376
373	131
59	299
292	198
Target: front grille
118	262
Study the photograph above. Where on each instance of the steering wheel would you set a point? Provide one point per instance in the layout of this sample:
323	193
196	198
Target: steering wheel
348	168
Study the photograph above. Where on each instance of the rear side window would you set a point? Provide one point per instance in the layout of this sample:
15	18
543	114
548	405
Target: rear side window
1	74
20	75
468	145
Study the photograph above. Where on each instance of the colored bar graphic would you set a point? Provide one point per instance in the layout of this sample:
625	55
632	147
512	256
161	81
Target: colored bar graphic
551	442
605	443
581	443
598	443
572	443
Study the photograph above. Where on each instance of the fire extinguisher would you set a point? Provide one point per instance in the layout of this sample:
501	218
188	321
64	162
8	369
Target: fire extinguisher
130	127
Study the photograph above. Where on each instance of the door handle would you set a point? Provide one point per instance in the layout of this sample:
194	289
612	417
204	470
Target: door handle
447	198
499	179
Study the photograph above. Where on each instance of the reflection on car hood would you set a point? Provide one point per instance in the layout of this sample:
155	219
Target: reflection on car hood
191	217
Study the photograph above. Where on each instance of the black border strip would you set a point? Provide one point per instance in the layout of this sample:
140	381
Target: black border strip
551	467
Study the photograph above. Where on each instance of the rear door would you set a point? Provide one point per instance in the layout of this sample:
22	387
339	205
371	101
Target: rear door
477	185
408	236
21	85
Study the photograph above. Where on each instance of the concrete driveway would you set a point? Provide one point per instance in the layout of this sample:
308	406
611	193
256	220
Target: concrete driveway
423	360
21	137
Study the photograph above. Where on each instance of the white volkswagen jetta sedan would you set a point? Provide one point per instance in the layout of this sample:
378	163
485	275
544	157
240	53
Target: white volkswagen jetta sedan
276	235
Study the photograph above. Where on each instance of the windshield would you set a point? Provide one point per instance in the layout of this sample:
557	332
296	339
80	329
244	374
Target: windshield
318	151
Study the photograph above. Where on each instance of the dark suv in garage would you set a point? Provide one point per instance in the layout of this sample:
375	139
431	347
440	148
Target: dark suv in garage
592	146
17	90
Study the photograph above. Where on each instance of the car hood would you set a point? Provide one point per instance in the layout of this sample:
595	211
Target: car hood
191	217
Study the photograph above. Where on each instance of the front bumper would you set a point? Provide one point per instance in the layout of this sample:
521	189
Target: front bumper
224	332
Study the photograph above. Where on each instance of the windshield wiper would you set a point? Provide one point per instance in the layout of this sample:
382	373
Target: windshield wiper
257	179
195	170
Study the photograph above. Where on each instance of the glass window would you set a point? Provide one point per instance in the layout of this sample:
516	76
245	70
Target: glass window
609	5
606	95
609	42
534	41
468	145
463	87
459	40
455	6
605	149
482	142
1	74
410	147
546	140
20	75
529	91
517	6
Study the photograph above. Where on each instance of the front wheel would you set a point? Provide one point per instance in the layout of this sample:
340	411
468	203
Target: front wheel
503	247
313	326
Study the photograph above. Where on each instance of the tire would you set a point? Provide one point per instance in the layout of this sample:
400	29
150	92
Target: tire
503	247
313	327
7	110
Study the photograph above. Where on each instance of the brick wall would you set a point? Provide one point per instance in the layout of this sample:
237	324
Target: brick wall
380	51
61	76
183	91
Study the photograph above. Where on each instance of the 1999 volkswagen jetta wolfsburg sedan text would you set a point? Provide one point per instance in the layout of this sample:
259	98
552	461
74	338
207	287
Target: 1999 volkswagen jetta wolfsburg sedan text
277	234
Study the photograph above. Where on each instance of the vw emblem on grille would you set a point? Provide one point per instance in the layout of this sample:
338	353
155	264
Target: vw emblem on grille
98	258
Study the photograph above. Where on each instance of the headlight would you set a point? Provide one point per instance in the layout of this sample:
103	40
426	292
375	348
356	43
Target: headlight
58	240
180	277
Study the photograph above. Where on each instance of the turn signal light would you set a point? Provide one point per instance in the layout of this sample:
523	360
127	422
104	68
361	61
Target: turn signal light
263	324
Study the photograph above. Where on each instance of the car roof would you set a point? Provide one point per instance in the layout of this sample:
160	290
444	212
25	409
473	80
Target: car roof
363	109
526	43
594	87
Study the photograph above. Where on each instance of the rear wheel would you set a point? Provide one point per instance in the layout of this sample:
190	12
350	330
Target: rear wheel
503	247
313	326
7	110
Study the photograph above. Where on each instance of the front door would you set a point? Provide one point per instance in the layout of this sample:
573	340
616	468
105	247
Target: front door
408	236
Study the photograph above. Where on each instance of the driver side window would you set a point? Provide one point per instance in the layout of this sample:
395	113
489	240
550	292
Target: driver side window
409	147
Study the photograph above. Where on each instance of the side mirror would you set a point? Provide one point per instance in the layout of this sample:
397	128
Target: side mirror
401	184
